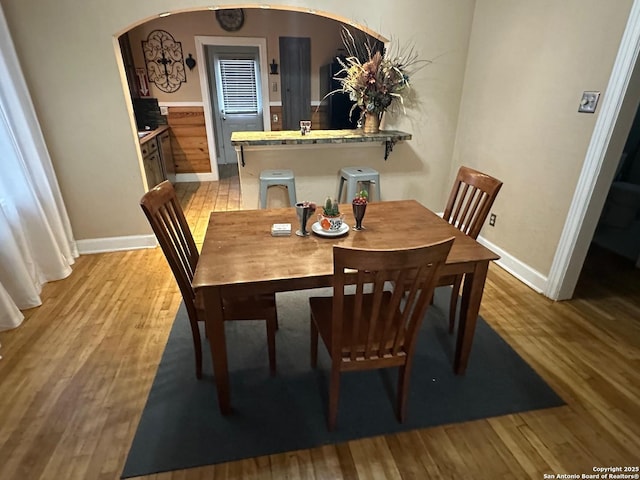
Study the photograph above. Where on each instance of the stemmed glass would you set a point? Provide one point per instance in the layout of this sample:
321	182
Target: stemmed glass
358	213
304	211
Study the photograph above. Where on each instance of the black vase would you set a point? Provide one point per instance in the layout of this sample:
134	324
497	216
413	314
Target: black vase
358	214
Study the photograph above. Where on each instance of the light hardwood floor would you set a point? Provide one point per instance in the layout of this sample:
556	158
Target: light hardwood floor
75	377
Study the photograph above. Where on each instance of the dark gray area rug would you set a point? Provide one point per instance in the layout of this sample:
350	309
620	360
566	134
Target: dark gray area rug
181	426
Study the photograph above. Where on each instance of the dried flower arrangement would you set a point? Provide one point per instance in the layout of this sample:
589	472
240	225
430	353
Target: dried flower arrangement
378	83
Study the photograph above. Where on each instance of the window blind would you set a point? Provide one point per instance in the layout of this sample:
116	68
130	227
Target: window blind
238	78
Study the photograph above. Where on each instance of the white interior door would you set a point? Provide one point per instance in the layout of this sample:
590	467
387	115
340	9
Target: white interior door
239	102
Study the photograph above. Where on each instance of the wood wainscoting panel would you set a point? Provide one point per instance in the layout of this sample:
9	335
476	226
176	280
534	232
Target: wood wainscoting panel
189	139
276	117
319	117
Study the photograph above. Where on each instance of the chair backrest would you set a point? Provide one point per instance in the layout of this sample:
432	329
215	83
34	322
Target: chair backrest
384	323
471	198
163	210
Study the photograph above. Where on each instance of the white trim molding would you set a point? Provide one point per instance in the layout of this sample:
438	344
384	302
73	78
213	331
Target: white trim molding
518	269
201	42
523	272
181	104
115	244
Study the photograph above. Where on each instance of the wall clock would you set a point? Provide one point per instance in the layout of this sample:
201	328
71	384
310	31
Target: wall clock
230	19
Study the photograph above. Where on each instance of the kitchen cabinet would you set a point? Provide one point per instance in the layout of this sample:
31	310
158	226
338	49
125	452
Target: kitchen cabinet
164	144
129	65
157	155
152	162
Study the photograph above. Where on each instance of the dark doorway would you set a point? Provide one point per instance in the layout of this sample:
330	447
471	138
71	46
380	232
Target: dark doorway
295	63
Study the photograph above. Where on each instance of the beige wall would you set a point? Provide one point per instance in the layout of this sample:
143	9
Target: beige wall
529	63
270	24
68	55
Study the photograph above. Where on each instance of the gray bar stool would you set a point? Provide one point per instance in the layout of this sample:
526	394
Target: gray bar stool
284	178
355	175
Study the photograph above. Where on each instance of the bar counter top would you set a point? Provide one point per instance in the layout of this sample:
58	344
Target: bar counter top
316	159
147	135
294	137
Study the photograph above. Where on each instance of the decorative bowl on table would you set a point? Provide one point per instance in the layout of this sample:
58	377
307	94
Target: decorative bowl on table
330	223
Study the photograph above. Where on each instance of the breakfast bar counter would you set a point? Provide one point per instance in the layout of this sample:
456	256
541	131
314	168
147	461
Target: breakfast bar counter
294	137
315	158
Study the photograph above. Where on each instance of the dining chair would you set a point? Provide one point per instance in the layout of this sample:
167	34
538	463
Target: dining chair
163	210
375	328
470	201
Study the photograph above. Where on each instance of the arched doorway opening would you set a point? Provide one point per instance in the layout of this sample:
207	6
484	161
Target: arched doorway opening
193	110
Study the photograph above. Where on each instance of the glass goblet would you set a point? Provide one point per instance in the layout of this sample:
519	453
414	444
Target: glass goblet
358	214
304	211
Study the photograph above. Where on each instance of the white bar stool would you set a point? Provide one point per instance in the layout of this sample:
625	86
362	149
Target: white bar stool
284	178
355	175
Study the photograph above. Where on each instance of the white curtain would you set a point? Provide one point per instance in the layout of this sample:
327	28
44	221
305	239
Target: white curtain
36	241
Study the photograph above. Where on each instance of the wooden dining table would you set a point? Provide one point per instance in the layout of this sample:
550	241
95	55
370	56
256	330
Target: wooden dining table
240	257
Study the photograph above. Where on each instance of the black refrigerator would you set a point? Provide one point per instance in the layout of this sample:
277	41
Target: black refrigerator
338	105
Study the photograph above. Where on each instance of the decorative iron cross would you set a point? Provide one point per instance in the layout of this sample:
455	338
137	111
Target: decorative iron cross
164	60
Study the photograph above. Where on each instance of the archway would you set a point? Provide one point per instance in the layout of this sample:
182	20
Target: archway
297	22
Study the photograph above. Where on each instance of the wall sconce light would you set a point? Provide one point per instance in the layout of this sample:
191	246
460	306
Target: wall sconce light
274	67
191	62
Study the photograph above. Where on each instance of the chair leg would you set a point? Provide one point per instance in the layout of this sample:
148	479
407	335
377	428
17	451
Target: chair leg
453	302
272	325
340	188
314	344
334	396
404	375
197	347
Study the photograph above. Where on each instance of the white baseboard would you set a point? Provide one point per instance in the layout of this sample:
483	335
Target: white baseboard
196	177
180	104
314	103
515	267
114	244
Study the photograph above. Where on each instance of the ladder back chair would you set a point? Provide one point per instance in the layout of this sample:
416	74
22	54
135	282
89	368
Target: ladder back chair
470	201
162	208
375	328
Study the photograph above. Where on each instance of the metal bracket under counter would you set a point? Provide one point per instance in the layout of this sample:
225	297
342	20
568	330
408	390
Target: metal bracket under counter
388	147
316	137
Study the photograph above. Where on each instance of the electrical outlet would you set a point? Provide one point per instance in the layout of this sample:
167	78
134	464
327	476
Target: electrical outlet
492	219
274	86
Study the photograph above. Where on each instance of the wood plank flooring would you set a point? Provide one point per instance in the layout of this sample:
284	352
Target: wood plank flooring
75	377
